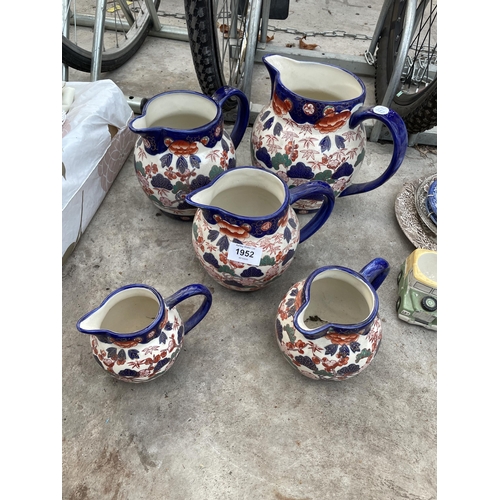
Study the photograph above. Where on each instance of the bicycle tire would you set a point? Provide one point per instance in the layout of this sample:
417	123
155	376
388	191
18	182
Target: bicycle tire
418	109
80	58
206	21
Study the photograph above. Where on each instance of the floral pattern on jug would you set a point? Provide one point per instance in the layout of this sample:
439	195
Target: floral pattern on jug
245	232
211	244
136	334
297	155
131	361
336	356
313	129
166	179
182	145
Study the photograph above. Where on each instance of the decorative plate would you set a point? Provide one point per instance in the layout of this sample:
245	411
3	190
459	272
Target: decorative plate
432	196
421	195
409	220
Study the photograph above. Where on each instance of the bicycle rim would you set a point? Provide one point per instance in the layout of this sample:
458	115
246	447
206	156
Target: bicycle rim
420	68
126	27
416	96
231	20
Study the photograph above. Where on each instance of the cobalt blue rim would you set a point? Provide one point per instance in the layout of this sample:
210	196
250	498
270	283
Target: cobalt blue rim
255	222
192	134
361	328
432	201
297	113
125	336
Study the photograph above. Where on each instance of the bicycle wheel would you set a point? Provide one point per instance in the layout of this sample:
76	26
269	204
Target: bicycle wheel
218	35
126	27
416	97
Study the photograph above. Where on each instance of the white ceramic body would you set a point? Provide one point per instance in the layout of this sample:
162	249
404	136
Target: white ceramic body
182	145
333	331
212	236
312	128
250	207
136	335
130	361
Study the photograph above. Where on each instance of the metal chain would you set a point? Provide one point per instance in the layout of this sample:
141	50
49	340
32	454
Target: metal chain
162	13
331	34
291	31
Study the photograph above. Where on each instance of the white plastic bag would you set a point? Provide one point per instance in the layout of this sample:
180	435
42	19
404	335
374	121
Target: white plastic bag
96	142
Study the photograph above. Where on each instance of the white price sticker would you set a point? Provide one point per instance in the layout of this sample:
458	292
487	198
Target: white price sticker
380	110
243	253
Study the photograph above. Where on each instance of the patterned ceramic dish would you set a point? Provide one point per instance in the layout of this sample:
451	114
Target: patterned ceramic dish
410	221
421	195
432	202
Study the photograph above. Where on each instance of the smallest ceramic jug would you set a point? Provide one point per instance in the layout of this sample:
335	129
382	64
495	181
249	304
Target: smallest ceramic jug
328	326
136	335
182	145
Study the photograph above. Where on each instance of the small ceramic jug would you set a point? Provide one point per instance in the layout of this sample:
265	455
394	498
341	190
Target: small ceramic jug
182	145
313	129
245	232
328	326
136	335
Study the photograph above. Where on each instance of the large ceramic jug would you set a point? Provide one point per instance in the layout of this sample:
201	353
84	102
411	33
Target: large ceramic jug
245	232
313	128
182	145
136	335
328	326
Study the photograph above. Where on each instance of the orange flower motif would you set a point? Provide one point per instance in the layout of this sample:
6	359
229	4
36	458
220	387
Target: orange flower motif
291	149
283	313
267	225
183	148
127	343
230	230
300	346
281	107
332	121
223	159
340	339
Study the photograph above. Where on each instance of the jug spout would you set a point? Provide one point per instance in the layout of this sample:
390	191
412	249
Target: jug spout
272	63
281	70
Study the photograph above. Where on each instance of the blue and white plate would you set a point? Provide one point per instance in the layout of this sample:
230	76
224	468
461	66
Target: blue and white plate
421	197
432	201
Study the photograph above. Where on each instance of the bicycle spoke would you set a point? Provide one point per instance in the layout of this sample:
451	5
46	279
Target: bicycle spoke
126	25
422	53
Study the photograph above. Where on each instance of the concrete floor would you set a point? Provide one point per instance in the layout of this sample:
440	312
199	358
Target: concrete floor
231	419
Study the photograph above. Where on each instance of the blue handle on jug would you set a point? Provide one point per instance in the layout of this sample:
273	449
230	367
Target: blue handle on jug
314	188
399	134
186	293
220	96
376	271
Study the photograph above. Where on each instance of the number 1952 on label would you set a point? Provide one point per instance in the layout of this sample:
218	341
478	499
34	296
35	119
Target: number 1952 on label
243	253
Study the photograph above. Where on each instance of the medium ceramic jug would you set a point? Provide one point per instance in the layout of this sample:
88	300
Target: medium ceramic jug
182	145
136	335
328	326
245	232
313	128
